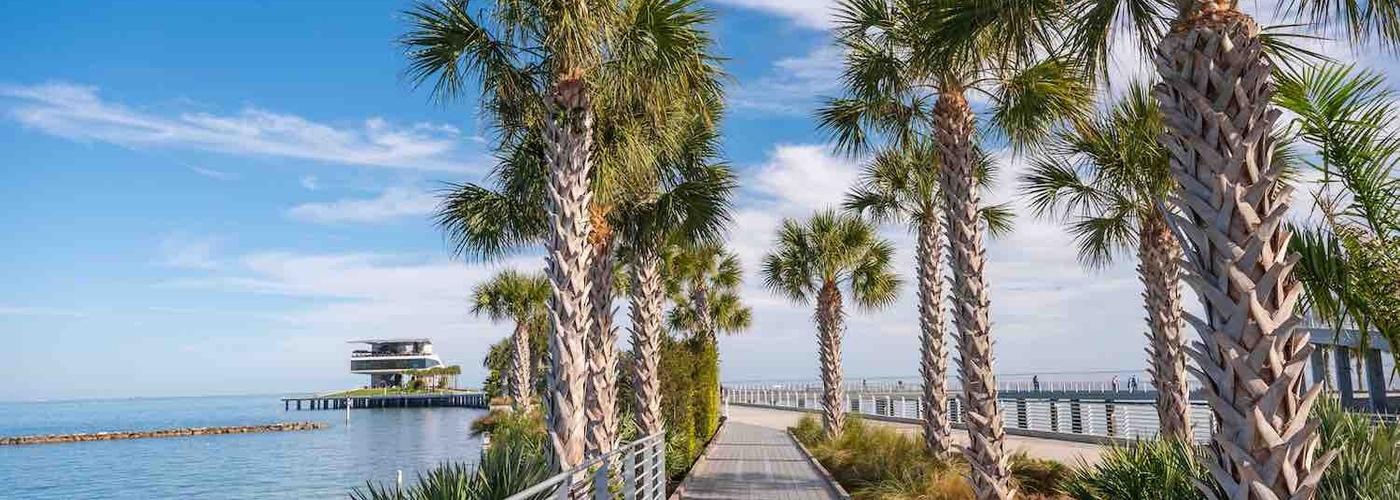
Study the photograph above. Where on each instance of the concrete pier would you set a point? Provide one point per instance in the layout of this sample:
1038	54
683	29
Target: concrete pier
340	401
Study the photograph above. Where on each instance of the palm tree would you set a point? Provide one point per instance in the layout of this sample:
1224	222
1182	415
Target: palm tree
1215	65
691	203
550	75
524	299
1106	177
902	54
698	276
901	186
1350	264
702	282
816	259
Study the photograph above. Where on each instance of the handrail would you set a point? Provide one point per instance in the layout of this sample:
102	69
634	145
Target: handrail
637	469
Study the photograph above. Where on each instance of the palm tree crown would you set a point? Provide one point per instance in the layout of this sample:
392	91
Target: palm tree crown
512	295
829	250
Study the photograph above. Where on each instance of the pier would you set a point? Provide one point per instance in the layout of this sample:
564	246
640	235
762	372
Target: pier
361	400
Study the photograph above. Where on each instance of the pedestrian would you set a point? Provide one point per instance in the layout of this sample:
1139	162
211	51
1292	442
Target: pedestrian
1114	383
1035	383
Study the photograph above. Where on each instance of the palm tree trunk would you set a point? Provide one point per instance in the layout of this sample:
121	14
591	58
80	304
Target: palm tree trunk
602	346
1158	253
1214	95
700	300
568	138
520	365
991	476
933	364
647	299
830	321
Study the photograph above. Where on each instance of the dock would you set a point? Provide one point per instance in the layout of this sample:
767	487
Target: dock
360	400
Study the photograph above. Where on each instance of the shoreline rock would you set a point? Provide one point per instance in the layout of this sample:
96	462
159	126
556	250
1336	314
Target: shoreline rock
162	433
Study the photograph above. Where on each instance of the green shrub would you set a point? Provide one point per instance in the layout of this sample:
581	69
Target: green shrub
506	468
1368	467
1144	470
1037	476
808	431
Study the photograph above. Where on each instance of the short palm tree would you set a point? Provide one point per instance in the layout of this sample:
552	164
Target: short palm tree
1349	262
524	299
551	74
900	56
815	259
703	280
1107	177
901	186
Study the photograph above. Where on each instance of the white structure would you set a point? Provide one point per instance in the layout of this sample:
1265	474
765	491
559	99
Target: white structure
1335	349
386	360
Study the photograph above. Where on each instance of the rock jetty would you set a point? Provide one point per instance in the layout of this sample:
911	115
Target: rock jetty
193	431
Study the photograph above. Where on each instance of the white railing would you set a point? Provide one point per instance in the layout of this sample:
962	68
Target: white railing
1069	417
633	471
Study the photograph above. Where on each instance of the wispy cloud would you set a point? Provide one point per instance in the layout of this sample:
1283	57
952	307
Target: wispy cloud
11	310
793	85
309	182
212	174
392	203
79	113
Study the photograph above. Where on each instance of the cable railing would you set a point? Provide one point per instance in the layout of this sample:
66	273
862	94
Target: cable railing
1090	418
633	471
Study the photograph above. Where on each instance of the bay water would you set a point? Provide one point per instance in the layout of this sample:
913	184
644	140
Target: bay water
317	464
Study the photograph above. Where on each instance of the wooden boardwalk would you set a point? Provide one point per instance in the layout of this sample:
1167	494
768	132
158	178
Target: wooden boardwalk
754	462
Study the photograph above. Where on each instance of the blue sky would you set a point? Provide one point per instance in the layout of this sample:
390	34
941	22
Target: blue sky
207	198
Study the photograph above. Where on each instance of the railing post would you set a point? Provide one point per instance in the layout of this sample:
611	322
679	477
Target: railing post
1054	415
1076	417
1109	413
1022	417
629	473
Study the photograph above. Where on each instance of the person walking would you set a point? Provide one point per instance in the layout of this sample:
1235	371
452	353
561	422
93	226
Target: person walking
1113	384
1035	383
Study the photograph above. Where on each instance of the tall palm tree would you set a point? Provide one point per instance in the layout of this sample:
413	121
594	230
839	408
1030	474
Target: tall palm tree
902	54
1107	177
1215	65
815	259
551	74
524	299
901	186
691	203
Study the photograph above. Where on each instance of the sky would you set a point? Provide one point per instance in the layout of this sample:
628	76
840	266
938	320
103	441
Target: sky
214	197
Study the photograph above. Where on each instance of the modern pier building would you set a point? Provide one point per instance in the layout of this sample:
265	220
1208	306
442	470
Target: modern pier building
387	360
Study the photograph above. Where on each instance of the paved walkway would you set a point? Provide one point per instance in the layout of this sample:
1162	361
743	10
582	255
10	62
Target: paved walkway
755	462
1067	452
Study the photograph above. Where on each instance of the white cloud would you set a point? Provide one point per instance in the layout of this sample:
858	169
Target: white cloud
77	112
343	296
392	203
1045	307
309	182
793	84
815	14
188	252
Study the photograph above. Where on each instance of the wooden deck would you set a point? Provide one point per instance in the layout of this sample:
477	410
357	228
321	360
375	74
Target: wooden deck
754	462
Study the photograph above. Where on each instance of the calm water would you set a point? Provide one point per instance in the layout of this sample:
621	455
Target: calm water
309	464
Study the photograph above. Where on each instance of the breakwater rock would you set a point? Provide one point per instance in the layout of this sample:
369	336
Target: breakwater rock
193	431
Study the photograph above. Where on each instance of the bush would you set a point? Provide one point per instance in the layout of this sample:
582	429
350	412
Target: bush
1368	467
506	468
808	431
1144	470
1037	476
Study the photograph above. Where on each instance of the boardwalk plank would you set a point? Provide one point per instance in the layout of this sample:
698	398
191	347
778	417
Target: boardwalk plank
750	462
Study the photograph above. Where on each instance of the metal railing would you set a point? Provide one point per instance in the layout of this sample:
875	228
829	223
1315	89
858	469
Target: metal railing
1074	418
633	471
